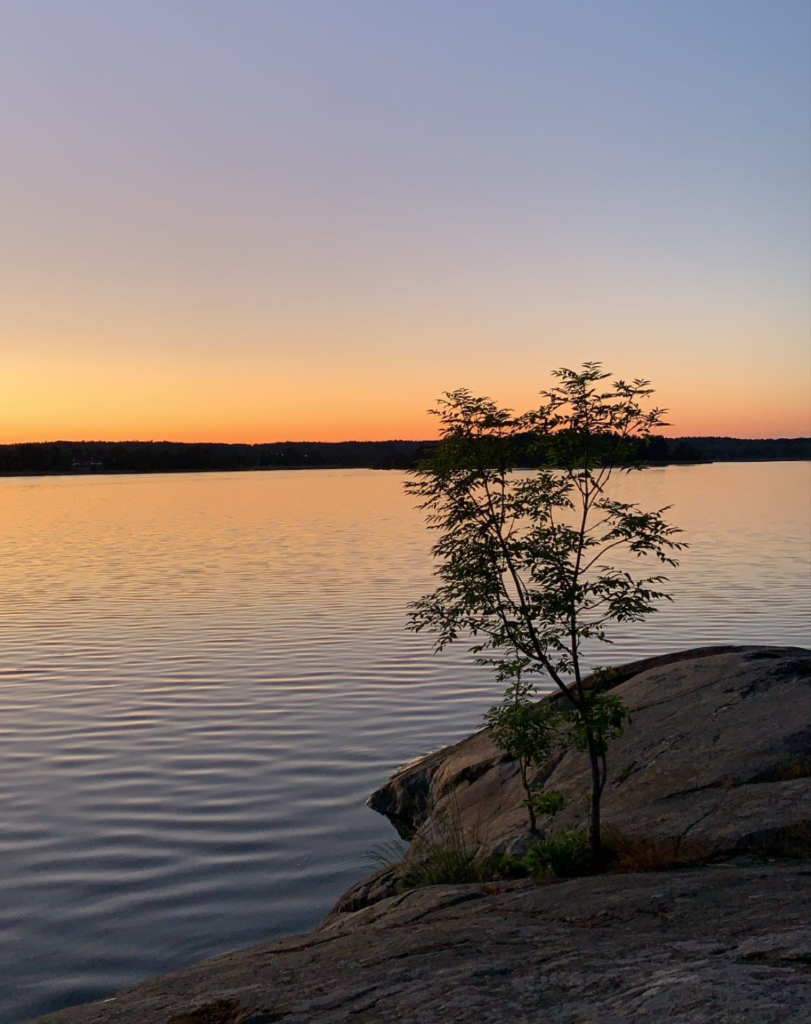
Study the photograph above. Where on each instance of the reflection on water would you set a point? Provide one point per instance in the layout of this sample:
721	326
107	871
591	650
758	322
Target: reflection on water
203	676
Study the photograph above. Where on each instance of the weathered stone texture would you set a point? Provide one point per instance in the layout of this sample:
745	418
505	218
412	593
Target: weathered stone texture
712	945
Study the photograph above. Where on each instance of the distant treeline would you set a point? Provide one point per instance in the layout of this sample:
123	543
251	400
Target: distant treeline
179	457
175	456
736	449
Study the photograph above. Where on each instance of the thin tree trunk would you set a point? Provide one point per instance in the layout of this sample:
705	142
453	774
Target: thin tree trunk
533	825
596	793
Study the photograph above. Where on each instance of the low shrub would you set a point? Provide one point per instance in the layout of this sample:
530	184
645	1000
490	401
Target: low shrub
564	854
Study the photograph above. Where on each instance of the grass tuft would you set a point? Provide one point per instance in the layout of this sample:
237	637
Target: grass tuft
445	854
388	854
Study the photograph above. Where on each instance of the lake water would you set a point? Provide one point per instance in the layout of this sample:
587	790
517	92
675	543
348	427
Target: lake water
203	676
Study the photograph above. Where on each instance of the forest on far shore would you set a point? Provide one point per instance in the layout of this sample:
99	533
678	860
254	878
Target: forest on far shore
179	457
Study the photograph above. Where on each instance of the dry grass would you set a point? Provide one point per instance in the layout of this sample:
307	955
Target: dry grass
643	855
225	1011
629	853
220	1011
793	842
793	768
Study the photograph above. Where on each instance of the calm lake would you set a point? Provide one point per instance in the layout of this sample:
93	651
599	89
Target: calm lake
203	676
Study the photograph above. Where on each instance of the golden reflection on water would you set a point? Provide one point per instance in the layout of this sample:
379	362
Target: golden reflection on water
202	676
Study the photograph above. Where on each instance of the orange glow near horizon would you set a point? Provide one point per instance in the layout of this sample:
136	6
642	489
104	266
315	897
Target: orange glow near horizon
114	399
308	221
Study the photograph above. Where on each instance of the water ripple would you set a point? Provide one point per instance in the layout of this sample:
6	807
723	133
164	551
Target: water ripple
203	676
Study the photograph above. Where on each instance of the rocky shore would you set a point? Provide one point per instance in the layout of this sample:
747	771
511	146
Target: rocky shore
704	918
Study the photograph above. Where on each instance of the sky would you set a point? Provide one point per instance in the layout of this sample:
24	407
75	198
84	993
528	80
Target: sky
263	220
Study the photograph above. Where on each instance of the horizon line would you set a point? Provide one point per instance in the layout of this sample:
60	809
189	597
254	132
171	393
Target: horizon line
389	440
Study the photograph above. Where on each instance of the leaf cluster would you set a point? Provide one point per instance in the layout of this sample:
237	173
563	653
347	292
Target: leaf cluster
528	730
523	563
600	719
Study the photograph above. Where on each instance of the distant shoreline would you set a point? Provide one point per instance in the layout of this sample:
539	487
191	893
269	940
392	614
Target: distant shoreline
116	458
86	458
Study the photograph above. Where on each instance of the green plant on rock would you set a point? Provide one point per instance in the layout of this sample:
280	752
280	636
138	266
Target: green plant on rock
601	719
530	732
549	802
564	854
526	561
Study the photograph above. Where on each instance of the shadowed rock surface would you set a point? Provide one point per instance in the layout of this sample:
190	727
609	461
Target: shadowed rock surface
714	768
714	945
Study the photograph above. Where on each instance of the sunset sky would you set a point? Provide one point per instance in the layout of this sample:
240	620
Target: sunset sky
260	220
